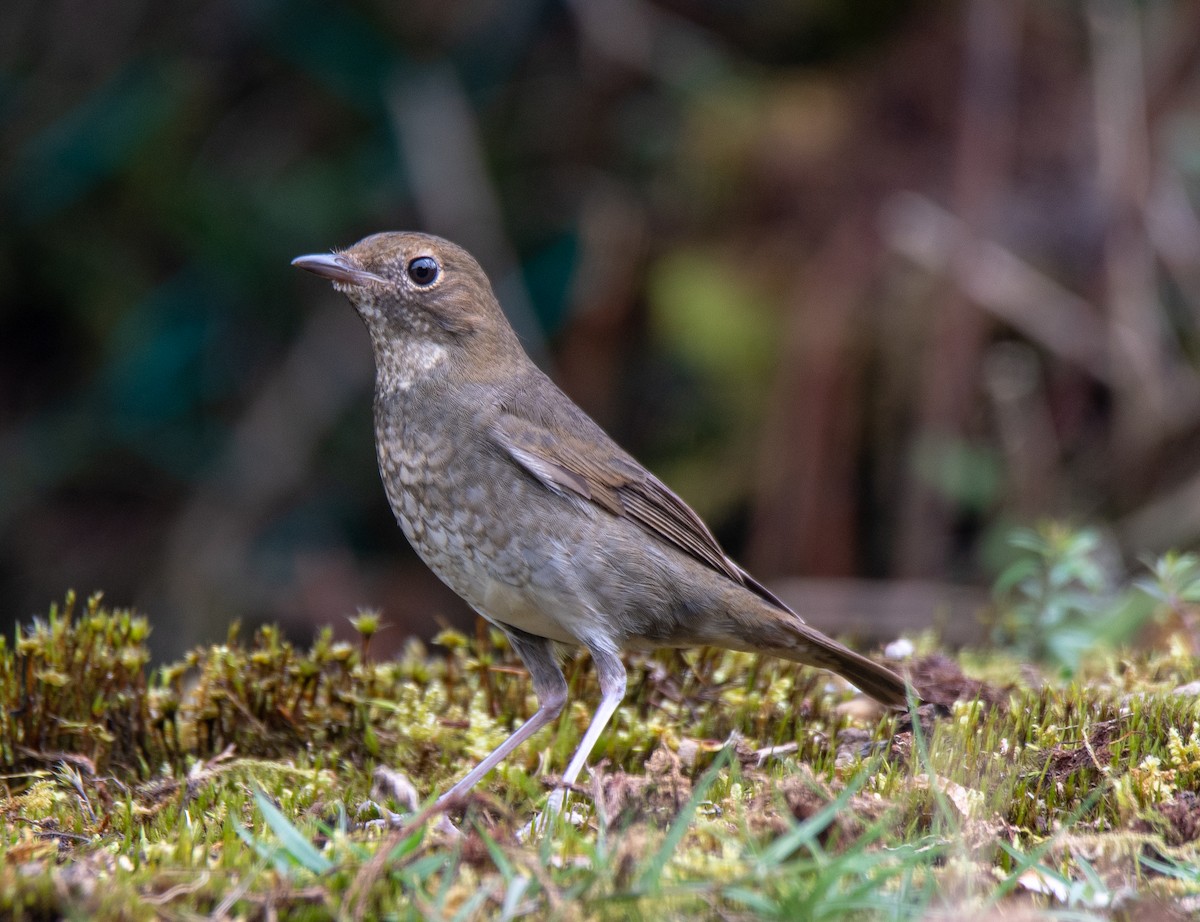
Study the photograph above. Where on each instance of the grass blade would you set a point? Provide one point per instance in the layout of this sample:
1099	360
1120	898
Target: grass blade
294	843
651	876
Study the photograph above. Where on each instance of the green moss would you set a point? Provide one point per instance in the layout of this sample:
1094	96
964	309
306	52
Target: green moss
241	781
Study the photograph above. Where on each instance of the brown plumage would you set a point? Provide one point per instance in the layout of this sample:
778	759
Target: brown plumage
528	510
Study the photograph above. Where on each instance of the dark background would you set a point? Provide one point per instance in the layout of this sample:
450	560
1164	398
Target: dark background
867	283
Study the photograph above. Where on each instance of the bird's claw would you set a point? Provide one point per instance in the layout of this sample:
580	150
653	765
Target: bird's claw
555	810
446	827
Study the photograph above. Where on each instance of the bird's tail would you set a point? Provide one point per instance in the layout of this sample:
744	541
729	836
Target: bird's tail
784	634
870	677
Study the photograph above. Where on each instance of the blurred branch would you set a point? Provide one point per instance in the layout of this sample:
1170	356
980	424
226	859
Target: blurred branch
621	30
1123	164
984	150
650	40
1173	85
1174	230
435	127
594	349
997	280
1170	519
1025	429
208	550
815	422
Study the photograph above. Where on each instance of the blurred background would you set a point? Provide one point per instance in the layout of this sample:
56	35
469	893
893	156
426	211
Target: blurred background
867	283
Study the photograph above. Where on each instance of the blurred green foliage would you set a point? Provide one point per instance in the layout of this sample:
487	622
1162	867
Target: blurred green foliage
680	201
163	168
1065	593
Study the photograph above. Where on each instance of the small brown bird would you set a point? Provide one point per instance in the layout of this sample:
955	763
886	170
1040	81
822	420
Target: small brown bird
528	510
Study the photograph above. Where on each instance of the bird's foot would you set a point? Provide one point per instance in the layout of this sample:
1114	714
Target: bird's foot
556	810
446	827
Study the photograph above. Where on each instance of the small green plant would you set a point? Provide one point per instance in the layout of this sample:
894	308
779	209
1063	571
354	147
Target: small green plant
1178	869
1077	797
1062	595
1174	584
293	851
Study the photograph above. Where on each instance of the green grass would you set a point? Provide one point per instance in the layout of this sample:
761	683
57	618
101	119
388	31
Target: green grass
239	783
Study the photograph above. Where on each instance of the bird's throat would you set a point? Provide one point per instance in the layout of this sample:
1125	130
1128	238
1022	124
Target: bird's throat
402	365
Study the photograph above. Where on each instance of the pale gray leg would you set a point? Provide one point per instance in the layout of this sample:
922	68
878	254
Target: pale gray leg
537	653
611	672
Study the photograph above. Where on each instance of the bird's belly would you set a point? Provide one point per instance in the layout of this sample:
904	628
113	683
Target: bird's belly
512	607
456	531
488	585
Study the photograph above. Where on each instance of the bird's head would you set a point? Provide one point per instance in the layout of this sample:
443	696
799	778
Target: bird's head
416	291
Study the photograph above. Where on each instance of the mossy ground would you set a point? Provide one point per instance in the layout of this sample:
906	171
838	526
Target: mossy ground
256	780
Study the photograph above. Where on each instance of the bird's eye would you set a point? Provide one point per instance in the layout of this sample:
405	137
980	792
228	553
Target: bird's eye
423	270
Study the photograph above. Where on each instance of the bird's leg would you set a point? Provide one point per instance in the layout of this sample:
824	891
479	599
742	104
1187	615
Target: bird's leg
537	653
611	672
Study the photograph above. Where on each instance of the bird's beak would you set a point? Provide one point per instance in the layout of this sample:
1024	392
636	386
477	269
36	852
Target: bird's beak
336	268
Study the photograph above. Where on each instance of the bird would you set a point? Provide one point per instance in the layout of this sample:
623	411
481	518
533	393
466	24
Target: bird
529	511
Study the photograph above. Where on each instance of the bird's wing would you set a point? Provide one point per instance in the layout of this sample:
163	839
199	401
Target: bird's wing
598	471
